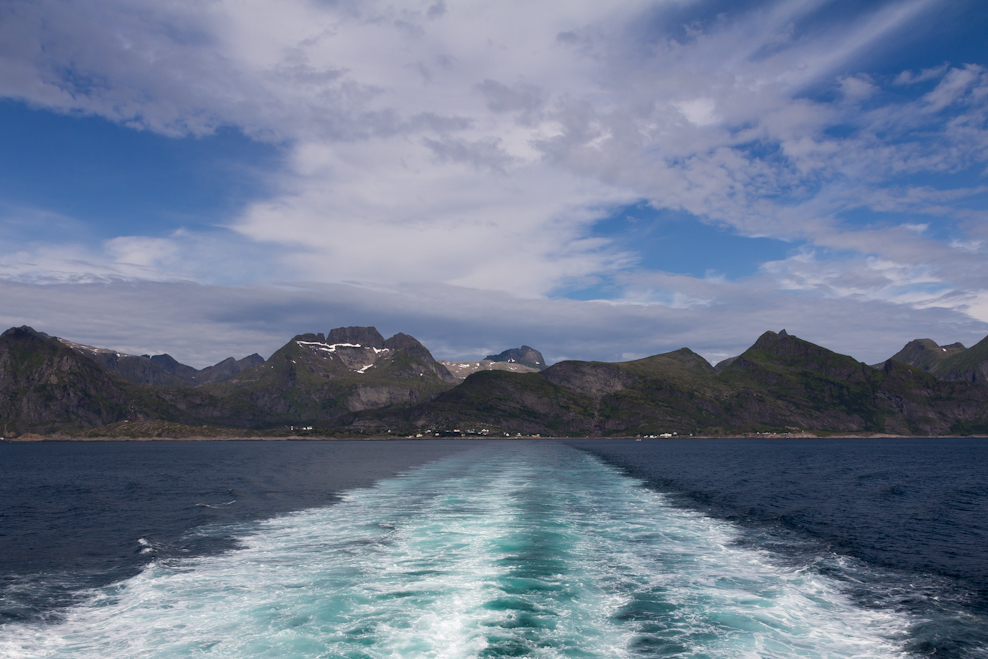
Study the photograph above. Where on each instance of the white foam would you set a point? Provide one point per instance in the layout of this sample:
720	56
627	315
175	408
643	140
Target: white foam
531	549
217	505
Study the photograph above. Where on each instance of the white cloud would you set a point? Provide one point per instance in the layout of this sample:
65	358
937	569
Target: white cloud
475	145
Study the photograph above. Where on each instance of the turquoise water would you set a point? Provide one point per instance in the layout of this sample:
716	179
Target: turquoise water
507	549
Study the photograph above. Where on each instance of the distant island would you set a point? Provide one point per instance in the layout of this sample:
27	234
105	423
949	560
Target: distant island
352	382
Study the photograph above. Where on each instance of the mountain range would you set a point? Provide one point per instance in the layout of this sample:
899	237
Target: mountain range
352	381
163	369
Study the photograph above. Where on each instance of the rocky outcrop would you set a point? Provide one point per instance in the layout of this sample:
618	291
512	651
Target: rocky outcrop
367	337
372	398
593	379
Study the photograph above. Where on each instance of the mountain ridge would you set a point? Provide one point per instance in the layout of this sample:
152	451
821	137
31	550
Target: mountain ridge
162	369
780	382
353	381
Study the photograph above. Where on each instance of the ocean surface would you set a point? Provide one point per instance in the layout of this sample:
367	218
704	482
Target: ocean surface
484	548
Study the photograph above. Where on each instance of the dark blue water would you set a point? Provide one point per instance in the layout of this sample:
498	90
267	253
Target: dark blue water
720	548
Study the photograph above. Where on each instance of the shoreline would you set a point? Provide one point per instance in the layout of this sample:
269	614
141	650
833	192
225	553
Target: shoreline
33	438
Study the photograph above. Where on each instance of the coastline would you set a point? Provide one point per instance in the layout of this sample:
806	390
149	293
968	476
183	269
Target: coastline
29	438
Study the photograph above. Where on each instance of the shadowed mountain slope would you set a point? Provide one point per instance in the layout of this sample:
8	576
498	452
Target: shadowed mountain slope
162	369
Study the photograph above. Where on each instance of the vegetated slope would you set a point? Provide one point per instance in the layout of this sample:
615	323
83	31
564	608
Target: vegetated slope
781	382
925	354
314	378
950	362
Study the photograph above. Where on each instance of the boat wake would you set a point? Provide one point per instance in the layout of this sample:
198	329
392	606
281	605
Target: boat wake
511	549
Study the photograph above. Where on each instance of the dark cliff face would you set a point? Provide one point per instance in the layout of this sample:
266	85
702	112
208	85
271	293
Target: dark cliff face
591	379
368	337
46	386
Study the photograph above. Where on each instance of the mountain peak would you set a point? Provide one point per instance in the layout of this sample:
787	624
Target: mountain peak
401	340
524	355
784	344
24	330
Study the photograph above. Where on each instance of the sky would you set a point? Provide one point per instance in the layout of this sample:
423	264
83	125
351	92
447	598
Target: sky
599	180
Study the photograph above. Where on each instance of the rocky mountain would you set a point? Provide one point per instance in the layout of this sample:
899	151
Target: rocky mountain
949	363
162	369
515	360
133	368
315	378
353	380
47	386
44	383
781	382
524	355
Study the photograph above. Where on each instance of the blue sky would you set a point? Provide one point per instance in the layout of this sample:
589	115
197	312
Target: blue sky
112	179
605	180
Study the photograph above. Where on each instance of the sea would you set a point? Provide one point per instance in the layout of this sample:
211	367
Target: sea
712	548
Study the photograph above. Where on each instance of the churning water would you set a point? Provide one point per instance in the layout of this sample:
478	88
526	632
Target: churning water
504	549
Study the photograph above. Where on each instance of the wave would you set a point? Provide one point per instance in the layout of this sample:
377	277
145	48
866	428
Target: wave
216	505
